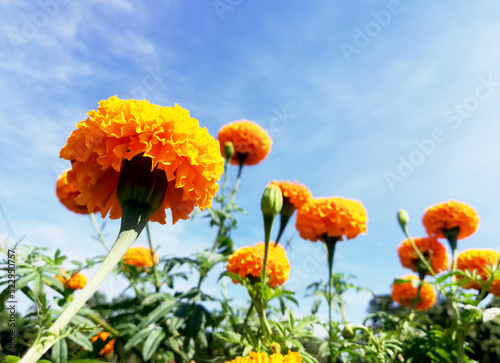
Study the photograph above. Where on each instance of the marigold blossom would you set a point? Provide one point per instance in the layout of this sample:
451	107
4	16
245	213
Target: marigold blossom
494	288
432	250
406	293
67	193
333	217
120	130
259	357
140	257
249	141
448	215
75	282
296	194
247	262
477	260
109	347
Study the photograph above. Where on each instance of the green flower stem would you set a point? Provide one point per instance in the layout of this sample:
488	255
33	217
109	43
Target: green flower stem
134	219
419	253
155	270
104	325
260	306
99	234
248	313
268	225
330	243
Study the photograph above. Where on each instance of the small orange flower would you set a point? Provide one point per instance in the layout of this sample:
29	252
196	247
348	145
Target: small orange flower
334	217
121	130
76	282
296	194
247	261
249	141
450	215
109	347
406	293
140	257
67	193
477	260
259	357
432	250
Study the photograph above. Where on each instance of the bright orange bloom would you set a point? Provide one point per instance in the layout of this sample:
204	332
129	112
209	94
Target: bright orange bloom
297	194
247	261
334	217
109	347
120	130
449	215
140	257
67	193
477	260
430	247
249	140
76	282
406	293
258	357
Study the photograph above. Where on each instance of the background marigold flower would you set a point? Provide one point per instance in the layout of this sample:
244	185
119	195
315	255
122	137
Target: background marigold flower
494	288
76	282
450	215
140	257
260	357
405	293
109	347
248	139
477	260
174	141
430	247
297	194
334	217
247	261
67	193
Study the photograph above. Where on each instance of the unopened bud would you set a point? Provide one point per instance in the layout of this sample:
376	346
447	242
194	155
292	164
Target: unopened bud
403	218
272	200
228	150
348	332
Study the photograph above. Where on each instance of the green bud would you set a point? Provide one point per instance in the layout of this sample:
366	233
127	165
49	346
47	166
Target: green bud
403	218
272	200
348	332
228	150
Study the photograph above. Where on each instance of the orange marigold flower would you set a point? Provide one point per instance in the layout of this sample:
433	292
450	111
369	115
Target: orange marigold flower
432	250
450	215
259	357
75	282
296	194
406	293
247	261
120	130
250	141
67	193
140	257
109	347
477	260
495	288
334	217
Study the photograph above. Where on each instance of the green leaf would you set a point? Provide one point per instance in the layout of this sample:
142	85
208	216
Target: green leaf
158	313
195	321
59	352
53	282
81	340
152	342
83	361
315	306
11	359
137	338
23	281
151	299
247	350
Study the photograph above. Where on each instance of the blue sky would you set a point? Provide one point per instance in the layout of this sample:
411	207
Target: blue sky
393	103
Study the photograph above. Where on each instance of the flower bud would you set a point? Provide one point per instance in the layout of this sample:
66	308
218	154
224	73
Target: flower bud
228	150
272	200
403	218
348	332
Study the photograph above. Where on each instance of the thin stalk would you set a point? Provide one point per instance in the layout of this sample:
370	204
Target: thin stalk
155	270
330	243
99	234
248	313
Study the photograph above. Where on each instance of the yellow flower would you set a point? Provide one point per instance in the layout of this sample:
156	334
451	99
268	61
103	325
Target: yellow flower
448	215
75	282
258	357
250	141
332	217
406	293
140	257
121	130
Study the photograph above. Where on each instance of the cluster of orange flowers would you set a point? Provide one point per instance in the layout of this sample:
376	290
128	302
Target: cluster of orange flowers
248	261
140	257
75	282
258	357
406	293
482	261
109	347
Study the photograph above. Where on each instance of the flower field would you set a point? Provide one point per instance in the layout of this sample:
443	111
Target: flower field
133	161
